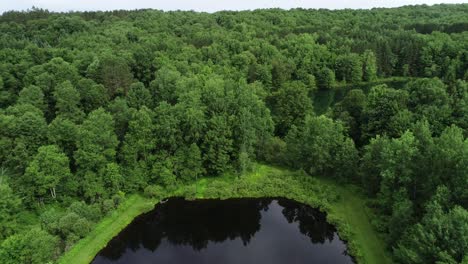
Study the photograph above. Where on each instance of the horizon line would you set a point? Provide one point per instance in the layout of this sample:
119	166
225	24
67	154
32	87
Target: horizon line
36	8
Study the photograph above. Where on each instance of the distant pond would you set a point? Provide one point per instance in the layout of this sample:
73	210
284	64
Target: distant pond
233	231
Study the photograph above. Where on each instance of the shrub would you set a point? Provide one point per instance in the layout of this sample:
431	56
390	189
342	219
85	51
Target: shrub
107	206
154	191
90	212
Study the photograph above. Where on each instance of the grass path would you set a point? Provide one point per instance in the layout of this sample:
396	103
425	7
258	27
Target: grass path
348	213
351	208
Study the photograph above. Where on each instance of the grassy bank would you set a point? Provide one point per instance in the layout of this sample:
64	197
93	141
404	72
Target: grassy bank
345	208
87	248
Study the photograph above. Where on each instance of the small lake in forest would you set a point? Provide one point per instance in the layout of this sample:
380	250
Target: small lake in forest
233	231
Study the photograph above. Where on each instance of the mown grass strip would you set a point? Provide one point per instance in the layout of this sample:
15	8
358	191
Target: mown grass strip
351	209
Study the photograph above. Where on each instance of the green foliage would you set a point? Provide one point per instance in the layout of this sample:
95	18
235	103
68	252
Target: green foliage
139	96
383	104
113	72
138	144
112	178
188	163
441	237
350	112
63	133
92	95
369	66
96	148
371	164
32	95
10	205
290	104
451	162
164	85
167	127
95	103
428	99
96	138
67	100
154	191
217	146
45	174
273	151
321	148
412	164
34	246
25	130
50	74
71	225
397	167
401	217
349	68
325	78
459	103
121	114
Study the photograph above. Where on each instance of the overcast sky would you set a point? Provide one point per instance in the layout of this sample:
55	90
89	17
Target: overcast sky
205	5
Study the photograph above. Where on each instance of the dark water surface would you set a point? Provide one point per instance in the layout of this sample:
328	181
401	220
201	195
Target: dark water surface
240	231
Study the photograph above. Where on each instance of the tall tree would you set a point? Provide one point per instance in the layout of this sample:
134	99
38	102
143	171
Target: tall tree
450	162
163	88
28	129
350	112
349	68
34	246
191	112
428	99
290	104
371	164
188	163
459	103
138	146
45	174
33	95
441	236
369	66
63	133
139	96
67	100
325	78
168	134
96	147
217	145
121	114
397	170
10	205
383	104
321	148
92	95
113	72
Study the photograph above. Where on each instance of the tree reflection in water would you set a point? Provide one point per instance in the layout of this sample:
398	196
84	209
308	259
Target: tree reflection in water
202	223
312	222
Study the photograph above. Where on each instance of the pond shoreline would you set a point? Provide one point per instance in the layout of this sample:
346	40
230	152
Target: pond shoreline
345	210
235	230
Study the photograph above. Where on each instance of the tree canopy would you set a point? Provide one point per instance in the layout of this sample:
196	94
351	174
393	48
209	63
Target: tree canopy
94	105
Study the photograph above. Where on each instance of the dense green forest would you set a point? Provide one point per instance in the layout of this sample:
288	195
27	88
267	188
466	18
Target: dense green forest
96	105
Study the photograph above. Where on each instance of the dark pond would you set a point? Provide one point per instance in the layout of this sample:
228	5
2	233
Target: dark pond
240	231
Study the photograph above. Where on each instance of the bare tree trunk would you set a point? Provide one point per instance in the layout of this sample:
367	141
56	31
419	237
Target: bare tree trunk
52	192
